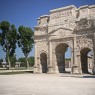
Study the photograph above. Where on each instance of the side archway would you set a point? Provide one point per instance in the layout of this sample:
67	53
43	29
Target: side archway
43	61
84	59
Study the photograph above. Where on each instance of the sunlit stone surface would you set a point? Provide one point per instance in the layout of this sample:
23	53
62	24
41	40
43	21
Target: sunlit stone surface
66	27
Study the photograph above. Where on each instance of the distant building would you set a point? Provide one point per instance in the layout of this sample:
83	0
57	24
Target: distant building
4	64
90	62
68	62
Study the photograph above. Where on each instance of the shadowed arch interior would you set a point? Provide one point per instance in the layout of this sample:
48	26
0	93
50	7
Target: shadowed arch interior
84	59
60	56
43	60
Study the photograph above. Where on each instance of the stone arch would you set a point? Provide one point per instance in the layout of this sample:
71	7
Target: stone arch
60	56
43	62
42	51
84	59
69	43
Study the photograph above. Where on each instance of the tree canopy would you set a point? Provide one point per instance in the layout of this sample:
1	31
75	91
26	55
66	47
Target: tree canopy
8	39
1	60
25	40
23	61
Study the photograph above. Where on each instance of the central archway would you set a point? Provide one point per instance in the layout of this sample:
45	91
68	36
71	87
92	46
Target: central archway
60	56
84	59
43	60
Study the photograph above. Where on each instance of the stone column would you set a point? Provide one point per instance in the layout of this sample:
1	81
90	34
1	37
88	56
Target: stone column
35	69
39	67
72	61
54	61
75	65
54	64
79	62
50	59
93	69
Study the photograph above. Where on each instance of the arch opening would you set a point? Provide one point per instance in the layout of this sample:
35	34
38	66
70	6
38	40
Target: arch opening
63	63
43	61
86	60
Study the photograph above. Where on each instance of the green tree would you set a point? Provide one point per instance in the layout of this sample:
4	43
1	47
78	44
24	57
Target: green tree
1	60
13	60
25	41
8	39
23	61
31	60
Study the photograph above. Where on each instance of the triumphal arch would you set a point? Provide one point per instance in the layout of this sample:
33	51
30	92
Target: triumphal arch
65	27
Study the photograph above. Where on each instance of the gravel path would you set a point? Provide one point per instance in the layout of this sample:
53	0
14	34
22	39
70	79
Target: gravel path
47	84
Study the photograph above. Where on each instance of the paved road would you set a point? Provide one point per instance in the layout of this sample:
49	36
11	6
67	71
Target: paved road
47	84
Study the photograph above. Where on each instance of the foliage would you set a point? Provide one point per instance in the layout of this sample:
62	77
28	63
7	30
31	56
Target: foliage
25	40
13	60
8	39
1	60
67	58
23	61
31	61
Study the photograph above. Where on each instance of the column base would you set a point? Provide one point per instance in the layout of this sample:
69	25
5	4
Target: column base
93	70
75	69
56	70
50	70
36	70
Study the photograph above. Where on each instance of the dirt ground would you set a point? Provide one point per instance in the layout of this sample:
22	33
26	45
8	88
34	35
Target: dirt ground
47	84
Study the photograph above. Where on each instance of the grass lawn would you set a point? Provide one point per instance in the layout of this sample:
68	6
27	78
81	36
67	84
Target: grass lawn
17	70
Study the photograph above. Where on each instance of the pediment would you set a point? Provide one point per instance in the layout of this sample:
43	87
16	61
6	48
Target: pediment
61	32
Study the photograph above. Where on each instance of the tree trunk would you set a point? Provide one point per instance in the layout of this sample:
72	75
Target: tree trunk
27	63
8	59
9	62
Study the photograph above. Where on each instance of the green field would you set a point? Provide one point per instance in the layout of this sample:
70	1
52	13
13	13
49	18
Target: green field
18	70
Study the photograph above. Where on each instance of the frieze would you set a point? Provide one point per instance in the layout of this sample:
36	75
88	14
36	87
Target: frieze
65	25
61	14
84	24
84	41
40	37
40	33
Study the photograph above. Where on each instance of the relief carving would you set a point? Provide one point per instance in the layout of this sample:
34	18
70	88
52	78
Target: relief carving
92	11
61	14
84	23
60	33
42	46
84	41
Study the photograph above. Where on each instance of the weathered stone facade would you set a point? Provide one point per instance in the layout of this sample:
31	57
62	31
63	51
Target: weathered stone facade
62	28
